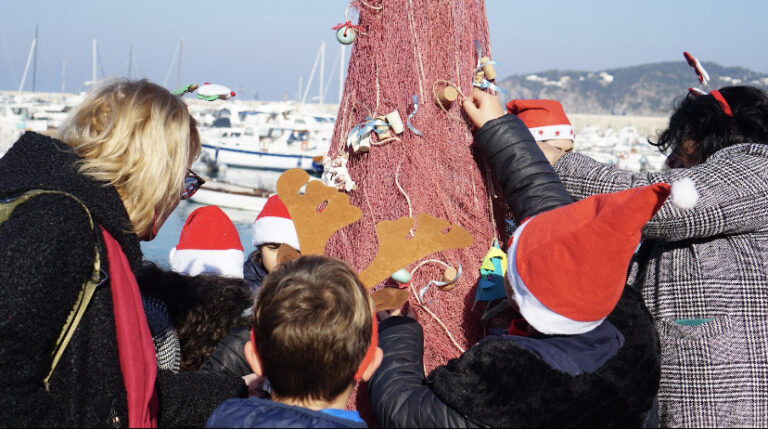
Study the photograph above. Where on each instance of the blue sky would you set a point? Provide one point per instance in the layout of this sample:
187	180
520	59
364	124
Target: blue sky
262	47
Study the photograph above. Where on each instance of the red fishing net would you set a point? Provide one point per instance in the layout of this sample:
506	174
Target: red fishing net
412	47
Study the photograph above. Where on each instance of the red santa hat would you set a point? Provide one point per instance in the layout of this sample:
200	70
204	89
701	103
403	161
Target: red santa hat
209	243
274	225
567	267
544	118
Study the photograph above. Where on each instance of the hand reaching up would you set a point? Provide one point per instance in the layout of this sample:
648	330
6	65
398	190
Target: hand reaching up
482	107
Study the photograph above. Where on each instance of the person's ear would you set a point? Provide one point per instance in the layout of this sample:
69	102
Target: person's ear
374	365
253	359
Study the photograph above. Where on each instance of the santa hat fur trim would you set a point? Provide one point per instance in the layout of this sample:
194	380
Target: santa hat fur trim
227	263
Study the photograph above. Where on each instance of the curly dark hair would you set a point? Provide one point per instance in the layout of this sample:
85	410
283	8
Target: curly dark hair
204	308
702	119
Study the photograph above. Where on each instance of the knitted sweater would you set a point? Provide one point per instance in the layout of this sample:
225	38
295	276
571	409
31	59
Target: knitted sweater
708	264
46	251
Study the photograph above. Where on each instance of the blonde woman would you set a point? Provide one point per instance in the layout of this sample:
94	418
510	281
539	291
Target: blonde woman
115	171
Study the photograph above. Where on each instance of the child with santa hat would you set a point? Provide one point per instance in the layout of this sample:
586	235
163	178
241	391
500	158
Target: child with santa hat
591	354
546	120
272	228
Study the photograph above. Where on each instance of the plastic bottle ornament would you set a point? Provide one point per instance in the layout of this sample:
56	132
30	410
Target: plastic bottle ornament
401	276
346	35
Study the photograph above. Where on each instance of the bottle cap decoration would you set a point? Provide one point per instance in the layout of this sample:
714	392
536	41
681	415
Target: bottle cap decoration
346	32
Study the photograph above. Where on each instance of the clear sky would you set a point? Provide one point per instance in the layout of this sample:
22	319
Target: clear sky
263	46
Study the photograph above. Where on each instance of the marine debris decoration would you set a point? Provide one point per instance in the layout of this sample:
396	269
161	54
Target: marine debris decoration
206	92
346	32
408	46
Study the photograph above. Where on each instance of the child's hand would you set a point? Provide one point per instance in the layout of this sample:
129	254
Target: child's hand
255	385
383	315
482	107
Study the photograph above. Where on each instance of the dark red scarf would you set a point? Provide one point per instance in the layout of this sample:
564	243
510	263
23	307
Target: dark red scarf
138	361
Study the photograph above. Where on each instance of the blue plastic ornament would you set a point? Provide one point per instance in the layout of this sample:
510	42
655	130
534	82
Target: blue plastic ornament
401	276
346	35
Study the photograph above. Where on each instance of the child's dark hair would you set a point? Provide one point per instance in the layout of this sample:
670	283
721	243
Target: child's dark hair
702	119
312	323
204	308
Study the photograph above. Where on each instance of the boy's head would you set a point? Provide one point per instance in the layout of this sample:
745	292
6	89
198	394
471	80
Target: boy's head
313	327
546	120
273	227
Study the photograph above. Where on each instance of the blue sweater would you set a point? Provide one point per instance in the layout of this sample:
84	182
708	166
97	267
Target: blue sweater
262	413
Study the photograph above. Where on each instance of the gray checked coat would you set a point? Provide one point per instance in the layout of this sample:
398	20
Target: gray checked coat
708	263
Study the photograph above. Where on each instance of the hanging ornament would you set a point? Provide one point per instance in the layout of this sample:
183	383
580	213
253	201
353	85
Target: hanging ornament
346	32
212	91
492	271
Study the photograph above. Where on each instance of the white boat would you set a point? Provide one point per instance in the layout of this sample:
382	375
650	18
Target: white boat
267	146
225	194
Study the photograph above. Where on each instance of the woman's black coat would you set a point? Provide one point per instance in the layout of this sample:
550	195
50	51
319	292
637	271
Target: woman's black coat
46	251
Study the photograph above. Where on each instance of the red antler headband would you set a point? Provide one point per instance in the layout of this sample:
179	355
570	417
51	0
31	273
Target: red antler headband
704	80
724	104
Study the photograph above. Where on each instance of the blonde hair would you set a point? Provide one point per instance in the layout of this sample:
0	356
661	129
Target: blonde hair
139	138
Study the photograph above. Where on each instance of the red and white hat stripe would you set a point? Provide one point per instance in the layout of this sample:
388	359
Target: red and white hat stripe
551	132
535	313
275	229
227	263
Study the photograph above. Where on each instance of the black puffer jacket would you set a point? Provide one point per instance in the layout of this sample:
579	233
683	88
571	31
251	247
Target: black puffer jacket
497	383
46	251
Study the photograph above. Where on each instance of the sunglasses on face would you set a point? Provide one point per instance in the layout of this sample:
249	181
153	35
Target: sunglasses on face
192	182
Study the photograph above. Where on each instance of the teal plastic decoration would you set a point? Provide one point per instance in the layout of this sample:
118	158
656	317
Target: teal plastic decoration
346	35
401	276
490	286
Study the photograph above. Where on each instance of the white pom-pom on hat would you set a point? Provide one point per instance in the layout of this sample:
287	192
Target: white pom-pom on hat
683	193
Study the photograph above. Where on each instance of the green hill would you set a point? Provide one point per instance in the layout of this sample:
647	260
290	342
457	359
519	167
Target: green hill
650	89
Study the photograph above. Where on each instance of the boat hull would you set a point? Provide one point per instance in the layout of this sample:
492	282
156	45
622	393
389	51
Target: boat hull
259	160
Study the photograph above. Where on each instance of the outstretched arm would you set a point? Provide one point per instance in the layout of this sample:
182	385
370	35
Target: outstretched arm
530	184
397	391
731	185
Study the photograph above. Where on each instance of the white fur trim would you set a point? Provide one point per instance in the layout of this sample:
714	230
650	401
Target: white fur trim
683	193
227	263
273	229
535	313
551	132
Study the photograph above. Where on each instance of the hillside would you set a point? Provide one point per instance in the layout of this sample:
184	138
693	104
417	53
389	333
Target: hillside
647	90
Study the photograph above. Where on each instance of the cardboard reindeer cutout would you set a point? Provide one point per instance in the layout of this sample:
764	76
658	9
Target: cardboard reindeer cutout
319	211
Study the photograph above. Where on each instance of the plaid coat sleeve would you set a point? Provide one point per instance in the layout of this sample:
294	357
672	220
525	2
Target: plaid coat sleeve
732	186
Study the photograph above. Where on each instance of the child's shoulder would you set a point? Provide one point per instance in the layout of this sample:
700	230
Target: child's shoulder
257	412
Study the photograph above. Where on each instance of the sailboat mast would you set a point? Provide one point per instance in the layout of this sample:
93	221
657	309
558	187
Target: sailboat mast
29	60
34	66
178	73
93	60
341	73
322	71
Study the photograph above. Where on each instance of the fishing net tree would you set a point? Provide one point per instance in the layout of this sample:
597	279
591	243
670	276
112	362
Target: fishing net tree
408	49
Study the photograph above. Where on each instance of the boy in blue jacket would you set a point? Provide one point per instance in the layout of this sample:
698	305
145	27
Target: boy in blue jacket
313	336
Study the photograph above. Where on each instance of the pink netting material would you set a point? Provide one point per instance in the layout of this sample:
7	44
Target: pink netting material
408	46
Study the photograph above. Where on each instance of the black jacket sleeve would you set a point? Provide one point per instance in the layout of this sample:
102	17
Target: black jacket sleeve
398	391
229	356
46	251
187	399
530	184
